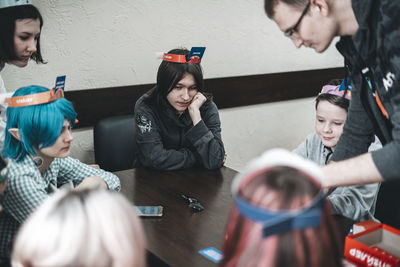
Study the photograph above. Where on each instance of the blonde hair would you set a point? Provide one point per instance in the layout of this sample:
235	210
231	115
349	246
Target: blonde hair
81	228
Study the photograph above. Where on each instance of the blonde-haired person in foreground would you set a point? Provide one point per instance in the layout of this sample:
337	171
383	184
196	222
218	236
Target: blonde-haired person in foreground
81	228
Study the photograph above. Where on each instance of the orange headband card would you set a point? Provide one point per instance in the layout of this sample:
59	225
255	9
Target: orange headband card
195	55
34	99
174	58
180	58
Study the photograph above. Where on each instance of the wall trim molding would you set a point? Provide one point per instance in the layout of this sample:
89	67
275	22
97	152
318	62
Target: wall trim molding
95	104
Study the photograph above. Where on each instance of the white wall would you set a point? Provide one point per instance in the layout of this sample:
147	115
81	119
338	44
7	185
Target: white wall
113	43
249	131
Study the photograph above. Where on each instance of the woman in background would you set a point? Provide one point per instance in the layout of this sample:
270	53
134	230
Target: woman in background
280	216
177	126
21	24
88	228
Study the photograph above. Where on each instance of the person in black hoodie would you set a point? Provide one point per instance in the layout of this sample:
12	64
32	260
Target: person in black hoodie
370	44
177	124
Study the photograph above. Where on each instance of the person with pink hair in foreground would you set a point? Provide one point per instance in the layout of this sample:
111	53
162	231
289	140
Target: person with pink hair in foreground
280	216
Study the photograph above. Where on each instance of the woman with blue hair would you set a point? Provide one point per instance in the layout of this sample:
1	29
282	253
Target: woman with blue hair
37	142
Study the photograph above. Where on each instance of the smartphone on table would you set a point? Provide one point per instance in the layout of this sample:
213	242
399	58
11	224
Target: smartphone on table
149	211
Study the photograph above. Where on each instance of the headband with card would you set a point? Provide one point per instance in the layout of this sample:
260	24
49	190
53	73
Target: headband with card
194	56
277	222
339	90
39	98
35	99
10	3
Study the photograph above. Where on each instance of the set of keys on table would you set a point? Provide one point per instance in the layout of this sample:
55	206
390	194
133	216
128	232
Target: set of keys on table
194	204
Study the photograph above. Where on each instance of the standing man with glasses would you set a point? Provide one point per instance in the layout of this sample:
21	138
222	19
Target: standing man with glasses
370	45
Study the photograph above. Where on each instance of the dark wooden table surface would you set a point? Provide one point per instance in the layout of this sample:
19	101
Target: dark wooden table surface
177	237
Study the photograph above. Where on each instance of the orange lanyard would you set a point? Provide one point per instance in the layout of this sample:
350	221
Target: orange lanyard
380	105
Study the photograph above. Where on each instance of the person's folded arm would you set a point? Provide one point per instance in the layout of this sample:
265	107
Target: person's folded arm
205	137
73	170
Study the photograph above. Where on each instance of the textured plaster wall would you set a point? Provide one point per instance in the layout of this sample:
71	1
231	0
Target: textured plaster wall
248	131
113	43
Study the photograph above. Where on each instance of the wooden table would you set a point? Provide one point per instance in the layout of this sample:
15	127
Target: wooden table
176	238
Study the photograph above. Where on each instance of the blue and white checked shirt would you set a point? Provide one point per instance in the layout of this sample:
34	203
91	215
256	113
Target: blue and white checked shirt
27	189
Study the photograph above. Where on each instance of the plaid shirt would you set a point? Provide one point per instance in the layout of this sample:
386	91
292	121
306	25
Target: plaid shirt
27	189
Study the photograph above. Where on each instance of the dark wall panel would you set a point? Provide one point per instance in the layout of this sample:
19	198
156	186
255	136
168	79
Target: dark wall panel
95	104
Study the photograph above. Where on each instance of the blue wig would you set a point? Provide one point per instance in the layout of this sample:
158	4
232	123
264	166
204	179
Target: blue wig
39	126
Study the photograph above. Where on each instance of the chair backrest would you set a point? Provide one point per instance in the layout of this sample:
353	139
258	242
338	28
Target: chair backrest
388	203
115	143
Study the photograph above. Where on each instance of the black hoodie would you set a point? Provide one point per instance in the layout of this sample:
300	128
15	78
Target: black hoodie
168	141
372	57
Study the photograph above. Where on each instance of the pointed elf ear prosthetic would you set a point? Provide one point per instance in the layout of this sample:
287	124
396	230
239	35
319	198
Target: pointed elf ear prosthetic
15	133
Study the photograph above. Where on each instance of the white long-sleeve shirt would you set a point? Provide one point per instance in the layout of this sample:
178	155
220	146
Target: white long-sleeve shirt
3	110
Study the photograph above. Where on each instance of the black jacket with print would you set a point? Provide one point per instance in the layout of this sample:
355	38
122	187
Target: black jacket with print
168	141
372	55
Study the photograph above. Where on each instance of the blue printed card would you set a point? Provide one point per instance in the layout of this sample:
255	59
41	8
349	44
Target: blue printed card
212	254
60	82
196	51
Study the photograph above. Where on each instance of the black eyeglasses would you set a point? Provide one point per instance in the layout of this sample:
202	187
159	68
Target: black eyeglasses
194	204
289	33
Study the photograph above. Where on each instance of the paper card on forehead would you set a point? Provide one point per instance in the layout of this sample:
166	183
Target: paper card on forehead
196	51
343	85
60	82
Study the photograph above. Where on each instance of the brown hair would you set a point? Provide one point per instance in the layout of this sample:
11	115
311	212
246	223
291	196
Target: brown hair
269	5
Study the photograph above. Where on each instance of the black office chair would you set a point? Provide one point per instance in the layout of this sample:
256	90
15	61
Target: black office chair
388	203
115	144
